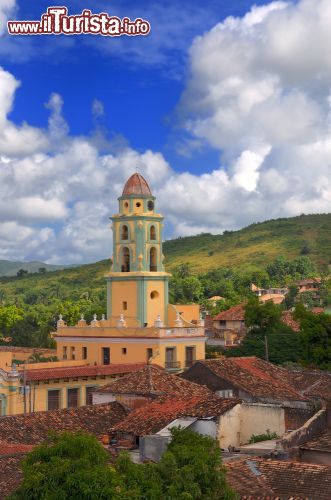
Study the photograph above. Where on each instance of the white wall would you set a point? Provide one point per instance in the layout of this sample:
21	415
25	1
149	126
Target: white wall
99	398
237	425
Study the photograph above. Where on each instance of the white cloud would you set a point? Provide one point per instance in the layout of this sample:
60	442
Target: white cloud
7	8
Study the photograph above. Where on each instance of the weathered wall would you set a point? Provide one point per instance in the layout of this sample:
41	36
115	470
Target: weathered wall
315	457
296	417
153	447
239	424
205	427
300	436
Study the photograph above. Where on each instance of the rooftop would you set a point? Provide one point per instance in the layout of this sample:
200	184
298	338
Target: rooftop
33	428
80	371
154	381
255	376
236	313
10	474
261	478
287	318
136	185
154	416
314	384
320	442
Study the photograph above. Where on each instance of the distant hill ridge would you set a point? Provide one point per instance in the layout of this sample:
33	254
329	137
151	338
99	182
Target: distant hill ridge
10	268
256	245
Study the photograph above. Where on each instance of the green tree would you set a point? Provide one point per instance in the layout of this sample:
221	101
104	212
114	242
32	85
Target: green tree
68	466
21	273
75	466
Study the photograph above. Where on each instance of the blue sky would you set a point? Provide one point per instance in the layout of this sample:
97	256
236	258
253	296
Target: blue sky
224	107
138	80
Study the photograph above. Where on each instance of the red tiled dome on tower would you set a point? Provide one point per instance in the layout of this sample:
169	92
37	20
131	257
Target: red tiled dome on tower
136	185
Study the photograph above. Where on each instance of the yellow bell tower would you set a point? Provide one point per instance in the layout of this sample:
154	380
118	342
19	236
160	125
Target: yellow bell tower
137	285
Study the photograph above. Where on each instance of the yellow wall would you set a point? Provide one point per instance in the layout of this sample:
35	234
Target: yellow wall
129	351
188	312
37	397
125	291
156	305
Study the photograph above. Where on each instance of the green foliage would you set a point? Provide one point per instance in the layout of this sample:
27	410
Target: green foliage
315	337
256	438
264	320
75	466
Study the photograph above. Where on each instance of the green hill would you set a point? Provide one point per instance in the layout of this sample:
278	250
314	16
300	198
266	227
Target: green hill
10	268
254	246
257	244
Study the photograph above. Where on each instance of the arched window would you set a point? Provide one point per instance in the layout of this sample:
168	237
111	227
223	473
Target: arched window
152	233
152	259
125	233
125	268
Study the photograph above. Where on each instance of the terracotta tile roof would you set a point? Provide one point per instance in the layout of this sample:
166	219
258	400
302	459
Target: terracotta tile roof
236	313
258	478
81	371
154	381
276	298
255	376
154	416
136	184
320	442
315	384
14	448
34	427
287	318
317	310
10	474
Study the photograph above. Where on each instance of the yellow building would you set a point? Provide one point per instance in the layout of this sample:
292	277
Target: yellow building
141	326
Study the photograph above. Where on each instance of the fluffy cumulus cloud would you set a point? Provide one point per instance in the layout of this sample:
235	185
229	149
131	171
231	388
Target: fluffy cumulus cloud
259	92
57	191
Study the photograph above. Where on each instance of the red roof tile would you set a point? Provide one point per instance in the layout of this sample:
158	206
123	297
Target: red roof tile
287	318
259	478
33	428
154	416
255	376
315	384
10	474
136	184
154	381
81	371
236	313
14	449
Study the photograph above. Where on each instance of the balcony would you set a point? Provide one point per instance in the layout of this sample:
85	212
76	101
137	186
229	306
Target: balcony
172	365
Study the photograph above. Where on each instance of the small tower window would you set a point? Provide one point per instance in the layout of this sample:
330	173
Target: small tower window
138	204
152	233
150	205
154	294
152	260
125	233
125	260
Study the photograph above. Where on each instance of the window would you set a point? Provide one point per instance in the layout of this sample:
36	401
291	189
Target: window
154	294
170	361
123	350
150	205
149	353
73	397
89	394
152	233
105	356
225	393
84	352
152	259
124	306
138	204
72	353
125	260
53	399
189	356
64	352
125	233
